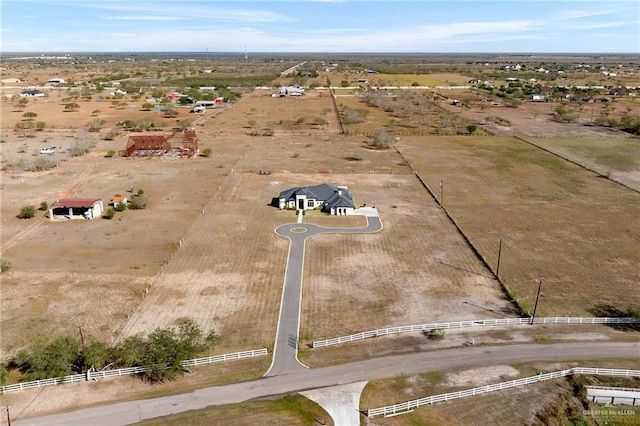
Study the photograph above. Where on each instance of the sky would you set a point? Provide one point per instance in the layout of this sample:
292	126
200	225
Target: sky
350	26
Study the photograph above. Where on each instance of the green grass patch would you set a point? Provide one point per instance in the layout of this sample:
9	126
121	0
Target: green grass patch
290	410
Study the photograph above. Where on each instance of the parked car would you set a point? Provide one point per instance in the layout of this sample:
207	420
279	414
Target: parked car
48	150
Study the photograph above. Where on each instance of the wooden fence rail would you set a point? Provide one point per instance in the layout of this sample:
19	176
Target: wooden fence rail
95	375
408	406
470	323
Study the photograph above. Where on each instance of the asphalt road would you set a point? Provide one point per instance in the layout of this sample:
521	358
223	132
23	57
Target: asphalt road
304	379
285	352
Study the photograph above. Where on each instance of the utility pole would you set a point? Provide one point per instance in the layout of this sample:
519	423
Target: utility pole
535	307
499	255
8	417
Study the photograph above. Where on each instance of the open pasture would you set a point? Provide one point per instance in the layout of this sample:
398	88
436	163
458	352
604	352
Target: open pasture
402	112
559	222
615	157
258	112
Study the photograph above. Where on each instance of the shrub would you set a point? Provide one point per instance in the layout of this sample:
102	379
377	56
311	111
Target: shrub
41	164
109	213
71	106
320	121
381	140
95	125
5	265
352	116
206	152
27	212
436	333
171	113
111	135
79	148
44	206
111	153
138	202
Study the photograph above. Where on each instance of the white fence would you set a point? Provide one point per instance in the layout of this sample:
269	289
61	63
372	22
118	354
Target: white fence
94	375
471	323
408	406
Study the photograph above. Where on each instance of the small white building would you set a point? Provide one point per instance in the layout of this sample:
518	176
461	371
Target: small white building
291	91
55	81
76	208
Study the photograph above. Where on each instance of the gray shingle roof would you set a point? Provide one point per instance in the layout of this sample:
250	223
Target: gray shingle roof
323	192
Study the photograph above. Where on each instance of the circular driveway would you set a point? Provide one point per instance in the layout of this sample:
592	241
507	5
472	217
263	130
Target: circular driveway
285	351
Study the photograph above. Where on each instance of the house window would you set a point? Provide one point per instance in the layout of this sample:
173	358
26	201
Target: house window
310	204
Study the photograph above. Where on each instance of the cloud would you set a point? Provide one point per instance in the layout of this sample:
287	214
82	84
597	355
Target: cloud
596	26
210	11
144	18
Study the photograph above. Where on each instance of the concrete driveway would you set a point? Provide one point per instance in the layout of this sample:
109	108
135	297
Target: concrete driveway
285	350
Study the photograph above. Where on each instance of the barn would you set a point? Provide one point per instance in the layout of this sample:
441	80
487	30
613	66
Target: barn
177	144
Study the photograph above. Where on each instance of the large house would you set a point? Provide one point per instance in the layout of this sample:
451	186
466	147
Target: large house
330	199
31	93
76	208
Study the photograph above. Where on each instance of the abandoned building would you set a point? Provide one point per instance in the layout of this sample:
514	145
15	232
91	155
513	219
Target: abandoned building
177	144
76	208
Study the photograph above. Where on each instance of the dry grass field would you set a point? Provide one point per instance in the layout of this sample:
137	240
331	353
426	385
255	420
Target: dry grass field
205	247
558	221
544	403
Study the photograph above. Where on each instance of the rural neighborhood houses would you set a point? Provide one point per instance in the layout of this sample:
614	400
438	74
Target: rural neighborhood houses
56	81
76	208
330	199
31	93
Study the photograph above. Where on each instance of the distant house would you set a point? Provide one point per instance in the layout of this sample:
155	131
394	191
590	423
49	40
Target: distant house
55	80
76	208
119	200
31	93
330	199
174	96
547	90
292	91
622	91
538	97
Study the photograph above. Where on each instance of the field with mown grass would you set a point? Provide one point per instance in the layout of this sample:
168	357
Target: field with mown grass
572	227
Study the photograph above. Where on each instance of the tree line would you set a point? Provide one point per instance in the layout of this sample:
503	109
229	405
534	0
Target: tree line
161	352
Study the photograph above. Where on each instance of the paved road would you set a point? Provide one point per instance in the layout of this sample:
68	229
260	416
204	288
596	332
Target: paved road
285	351
304	379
